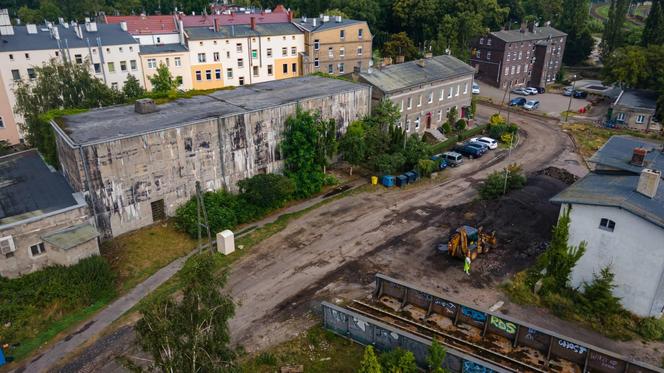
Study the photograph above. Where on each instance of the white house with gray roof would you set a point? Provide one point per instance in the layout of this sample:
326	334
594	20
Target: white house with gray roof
111	53
423	90
635	108
618	210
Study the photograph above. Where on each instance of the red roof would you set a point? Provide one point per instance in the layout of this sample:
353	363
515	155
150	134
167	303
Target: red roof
278	15
146	25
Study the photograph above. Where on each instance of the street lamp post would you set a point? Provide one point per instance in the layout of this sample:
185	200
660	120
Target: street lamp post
569	105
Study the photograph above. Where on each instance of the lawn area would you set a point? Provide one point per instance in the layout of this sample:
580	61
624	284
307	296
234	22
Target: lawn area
317	350
137	255
589	138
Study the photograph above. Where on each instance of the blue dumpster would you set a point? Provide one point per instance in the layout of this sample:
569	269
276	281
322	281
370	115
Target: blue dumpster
402	180
387	181
412	176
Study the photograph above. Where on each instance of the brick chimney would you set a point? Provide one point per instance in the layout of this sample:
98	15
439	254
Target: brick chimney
290	15
216	24
253	23
639	157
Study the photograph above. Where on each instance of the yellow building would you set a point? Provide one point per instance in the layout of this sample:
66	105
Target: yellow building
174	56
335	45
243	54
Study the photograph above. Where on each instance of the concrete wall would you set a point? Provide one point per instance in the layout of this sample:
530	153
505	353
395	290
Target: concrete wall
126	175
30	231
633	250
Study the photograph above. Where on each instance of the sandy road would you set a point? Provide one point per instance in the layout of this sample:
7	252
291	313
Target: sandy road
331	249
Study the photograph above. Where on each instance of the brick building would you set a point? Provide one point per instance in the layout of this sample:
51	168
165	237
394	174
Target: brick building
530	56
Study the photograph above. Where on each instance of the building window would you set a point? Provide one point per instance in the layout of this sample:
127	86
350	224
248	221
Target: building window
330	52
408	125
254	53
520	56
215	56
78	58
518	69
507	70
401	107
133	65
269	70
293	51
450	92
27	56
11	57
123	65
508	56
360	33
330	69
410	103
607	225
198	75
465	88
341	67
240	62
255	71
114	86
152	63
269	52
294	68
478	54
481	41
284	68
2	123
16	74
217	74
621	116
442	94
228	54
97	68
342	52
37	250
525	67
430	99
284	52
359	51
417	123
440	115
316	63
229	73
342	34
640	119
316	44
488	41
419	101
241	80
177	61
208	74
458	89
201	57
513	69
488	55
238	47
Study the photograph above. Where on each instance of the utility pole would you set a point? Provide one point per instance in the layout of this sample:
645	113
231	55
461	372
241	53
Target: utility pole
569	105
200	208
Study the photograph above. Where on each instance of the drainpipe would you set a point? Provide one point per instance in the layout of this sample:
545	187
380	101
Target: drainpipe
101	59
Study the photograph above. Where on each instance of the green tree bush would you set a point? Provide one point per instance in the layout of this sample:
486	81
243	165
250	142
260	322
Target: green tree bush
436	357
510	178
266	191
132	89
425	167
162	81
598	298
651	329
398	361
446	128
353	145
400	45
369	362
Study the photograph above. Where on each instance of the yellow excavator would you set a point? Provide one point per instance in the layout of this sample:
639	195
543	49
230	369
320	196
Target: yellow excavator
467	239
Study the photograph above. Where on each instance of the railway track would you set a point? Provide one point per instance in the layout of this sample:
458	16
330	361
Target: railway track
446	339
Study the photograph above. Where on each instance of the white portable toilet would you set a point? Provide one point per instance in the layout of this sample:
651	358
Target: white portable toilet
225	242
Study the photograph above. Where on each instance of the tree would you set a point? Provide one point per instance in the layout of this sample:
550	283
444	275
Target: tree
162	81
367	10
389	164
498	182
452	115
436	357
398	360
612	38
327	142
27	15
555	265
415	16
653	31
191	335
575	23
425	167
49	10
369	362
266	191
132	88
598	298
414	150
400	45
336	12
353	145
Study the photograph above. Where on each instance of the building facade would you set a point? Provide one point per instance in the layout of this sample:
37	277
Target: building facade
43	222
530	56
149	30
173	56
635	108
142	167
243	54
423	90
618	211
335	45
110	52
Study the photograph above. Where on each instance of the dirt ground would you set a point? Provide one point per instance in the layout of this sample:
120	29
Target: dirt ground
333	252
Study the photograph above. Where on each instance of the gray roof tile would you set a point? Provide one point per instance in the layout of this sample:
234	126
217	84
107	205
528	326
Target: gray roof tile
163	48
638	99
322	26
617	153
238	31
517	35
42	40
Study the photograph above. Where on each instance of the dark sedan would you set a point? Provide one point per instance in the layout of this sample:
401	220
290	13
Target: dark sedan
519	101
468	151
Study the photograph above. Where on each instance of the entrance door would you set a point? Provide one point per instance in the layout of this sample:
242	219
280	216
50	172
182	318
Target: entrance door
429	121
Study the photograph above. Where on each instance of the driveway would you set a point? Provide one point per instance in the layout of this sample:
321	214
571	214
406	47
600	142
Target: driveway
551	104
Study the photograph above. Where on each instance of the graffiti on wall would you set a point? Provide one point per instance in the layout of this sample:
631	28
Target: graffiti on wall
473	314
604	361
504	325
471	367
451	307
572	346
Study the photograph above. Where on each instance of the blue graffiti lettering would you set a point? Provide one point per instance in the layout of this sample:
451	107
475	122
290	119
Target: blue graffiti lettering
475	315
471	367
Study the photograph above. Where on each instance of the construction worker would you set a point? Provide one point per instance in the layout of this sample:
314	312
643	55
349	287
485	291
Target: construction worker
466	264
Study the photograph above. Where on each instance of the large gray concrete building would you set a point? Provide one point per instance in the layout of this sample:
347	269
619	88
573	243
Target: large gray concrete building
135	168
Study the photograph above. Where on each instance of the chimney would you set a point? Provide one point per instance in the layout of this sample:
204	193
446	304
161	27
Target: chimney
313	22
649	182
123	25
326	19
304	19
145	106
31	28
421	62
639	157
79	32
91	27
531	26
253	23
337	19
216	24
523	27
290	15
55	32
181	29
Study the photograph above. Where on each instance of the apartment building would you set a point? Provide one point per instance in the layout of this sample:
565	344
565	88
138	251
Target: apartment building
236	55
174	56
423	90
335	45
529	56
111	53
148	30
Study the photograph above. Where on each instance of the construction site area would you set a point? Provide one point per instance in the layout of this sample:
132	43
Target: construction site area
333	253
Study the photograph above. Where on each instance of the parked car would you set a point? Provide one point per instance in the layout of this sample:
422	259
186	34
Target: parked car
468	151
531	105
440	161
488	141
453	159
541	89
519	101
483	148
521	91
580	94
568	91
476	89
532	90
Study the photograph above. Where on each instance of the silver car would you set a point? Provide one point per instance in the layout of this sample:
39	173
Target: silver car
532	90
521	91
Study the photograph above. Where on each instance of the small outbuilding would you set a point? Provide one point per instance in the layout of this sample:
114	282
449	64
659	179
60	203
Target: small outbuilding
635	108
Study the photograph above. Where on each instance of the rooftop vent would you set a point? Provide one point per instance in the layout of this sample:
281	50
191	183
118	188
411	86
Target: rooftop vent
123	25
326	18
421	63
639	157
145	106
648	182
338	19
304	19
31	28
91	26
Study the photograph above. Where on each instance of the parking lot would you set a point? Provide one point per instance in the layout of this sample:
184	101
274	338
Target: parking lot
552	104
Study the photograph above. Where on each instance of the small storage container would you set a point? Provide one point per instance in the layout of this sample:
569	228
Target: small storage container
402	181
387	181
412	176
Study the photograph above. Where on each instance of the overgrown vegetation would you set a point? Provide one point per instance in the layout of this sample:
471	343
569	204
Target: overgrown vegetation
399	360
547	284
501	182
37	306
589	138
